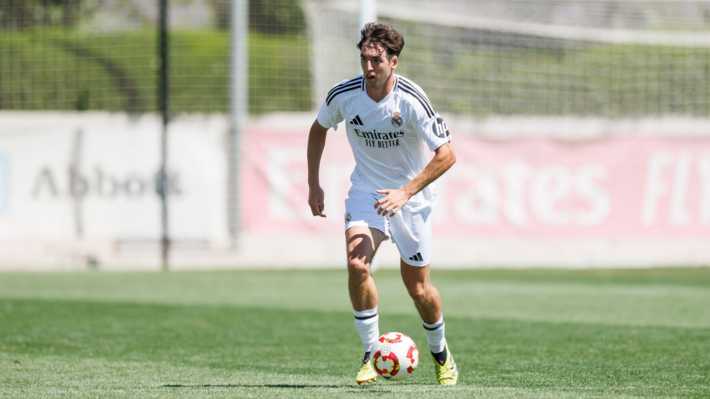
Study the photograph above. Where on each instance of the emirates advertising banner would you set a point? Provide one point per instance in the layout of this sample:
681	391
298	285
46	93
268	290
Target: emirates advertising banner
633	186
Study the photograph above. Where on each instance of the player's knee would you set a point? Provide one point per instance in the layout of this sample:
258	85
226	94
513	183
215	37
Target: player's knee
416	291
358	269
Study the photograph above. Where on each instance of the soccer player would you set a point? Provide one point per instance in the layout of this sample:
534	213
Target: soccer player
389	123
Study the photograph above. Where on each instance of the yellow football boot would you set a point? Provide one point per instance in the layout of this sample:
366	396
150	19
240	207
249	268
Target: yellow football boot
367	373
446	373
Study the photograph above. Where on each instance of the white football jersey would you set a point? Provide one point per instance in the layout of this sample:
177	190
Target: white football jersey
388	138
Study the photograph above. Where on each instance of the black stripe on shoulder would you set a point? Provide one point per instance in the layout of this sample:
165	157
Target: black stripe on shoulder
342	85
339	85
340	89
332	96
362	84
396	83
412	85
429	112
418	94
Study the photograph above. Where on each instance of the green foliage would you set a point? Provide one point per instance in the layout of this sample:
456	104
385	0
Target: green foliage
279	73
598	80
276	16
21	14
53	69
486	73
58	69
514	334
266	16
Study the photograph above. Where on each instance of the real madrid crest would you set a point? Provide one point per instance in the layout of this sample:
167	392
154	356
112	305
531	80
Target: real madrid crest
397	119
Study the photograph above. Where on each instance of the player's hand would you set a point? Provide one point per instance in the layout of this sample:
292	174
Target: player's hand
393	202
316	201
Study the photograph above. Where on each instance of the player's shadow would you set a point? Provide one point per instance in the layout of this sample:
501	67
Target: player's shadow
351	389
292	386
363	250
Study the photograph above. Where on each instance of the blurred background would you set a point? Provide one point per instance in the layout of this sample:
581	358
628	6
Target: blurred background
143	134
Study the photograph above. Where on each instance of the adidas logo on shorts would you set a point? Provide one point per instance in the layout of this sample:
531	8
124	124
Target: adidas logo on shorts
417	257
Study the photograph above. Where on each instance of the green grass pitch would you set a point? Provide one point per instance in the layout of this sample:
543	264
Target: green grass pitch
288	334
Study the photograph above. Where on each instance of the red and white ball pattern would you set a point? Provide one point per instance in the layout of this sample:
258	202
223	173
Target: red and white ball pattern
396	356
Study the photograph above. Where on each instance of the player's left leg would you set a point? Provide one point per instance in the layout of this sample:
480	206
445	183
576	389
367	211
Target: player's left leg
412	233
428	303
425	296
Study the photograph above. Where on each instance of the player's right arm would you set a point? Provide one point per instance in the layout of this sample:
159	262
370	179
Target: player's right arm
328	116
316	143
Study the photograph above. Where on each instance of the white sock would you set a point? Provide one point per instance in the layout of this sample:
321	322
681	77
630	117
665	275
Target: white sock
367	324
435	335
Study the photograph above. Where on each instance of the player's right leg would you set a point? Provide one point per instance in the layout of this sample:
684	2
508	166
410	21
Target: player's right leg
364	231
362	243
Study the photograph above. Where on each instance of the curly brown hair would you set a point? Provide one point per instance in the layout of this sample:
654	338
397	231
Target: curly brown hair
384	35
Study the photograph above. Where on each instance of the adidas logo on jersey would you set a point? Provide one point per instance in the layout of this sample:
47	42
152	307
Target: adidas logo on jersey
417	257
357	121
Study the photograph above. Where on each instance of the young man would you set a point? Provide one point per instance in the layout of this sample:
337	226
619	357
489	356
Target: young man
389	124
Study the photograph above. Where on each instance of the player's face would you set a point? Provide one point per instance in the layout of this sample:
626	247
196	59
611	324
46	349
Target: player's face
376	65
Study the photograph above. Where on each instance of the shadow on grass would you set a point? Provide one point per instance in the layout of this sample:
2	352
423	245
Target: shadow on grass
292	386
347	388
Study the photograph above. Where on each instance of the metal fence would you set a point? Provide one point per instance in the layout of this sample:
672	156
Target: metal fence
590	58
598	58
104	55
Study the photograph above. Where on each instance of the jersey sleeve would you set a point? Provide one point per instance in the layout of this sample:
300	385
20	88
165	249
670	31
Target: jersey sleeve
329	115
428	123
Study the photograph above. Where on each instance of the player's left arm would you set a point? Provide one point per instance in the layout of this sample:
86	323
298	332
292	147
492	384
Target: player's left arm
444	158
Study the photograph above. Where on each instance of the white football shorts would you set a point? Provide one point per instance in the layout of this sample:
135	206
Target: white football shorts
410	231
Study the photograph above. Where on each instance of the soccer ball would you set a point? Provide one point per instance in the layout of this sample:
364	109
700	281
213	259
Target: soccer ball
396	356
